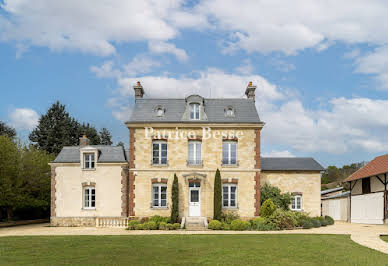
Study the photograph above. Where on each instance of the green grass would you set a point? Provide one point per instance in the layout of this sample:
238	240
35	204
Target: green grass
188	249
385	238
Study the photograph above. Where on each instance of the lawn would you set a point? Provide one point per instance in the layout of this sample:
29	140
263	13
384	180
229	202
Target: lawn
189	249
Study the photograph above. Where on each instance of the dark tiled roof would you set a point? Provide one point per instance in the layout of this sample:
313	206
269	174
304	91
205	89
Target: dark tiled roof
245	111
290	164
106	154
377	166
327	191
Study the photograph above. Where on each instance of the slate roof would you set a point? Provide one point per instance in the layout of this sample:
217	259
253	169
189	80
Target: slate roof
327	191
106	154
377	166
290	164
245	111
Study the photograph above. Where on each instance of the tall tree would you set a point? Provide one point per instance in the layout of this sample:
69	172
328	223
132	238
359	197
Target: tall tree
91	133
7	130
105	136
175	200
121	144
217	196
10	185
55	129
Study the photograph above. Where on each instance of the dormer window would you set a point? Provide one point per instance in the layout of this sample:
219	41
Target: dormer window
89	162
229	112
159	112
194	111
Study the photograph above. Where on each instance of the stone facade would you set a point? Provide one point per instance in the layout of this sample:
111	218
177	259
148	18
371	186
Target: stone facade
73	221
302	182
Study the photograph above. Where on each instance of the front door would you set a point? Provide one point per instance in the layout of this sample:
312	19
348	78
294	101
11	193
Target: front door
195	199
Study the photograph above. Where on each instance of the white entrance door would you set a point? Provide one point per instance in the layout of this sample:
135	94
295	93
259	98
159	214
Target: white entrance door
195	199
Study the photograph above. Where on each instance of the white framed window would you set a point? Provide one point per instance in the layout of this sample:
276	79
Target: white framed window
159	152
296	203
229	195
194	111
229	152
89	198
195	152
229	112
160	112
159	195
89	162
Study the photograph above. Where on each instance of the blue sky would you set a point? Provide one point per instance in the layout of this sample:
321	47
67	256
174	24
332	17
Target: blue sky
321	76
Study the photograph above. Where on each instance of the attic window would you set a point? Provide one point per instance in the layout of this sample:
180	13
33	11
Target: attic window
229	111
159	110
194	111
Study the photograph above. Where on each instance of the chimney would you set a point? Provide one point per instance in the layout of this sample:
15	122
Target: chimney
250	91
139	92
84	141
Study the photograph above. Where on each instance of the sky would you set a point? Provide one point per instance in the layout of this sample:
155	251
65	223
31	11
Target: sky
320	67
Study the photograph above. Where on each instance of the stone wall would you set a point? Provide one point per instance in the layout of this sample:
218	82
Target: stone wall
73	221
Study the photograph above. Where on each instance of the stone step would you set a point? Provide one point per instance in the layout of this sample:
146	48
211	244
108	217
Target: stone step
192	227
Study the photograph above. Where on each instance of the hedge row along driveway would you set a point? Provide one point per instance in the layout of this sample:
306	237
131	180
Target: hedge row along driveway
189	249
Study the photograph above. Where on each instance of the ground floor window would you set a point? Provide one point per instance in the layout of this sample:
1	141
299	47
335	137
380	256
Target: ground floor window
296	203
159	195
229	195
89	198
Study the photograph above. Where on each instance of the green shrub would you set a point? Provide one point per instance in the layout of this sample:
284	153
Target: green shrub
215	225
144	220
139	227
322	220
170	227
176	226
300	217
330	221
239	225
258	221
217	196
267	208
132	224
225	226
283	219
150	225
162	226
262	224
229	216
158	219
175	201
307	224
316	223
281	200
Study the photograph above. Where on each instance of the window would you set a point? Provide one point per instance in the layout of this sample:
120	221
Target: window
229	112
229	152
160	112
229	196
366	185
89	198
194	111
159	195
159	152
296	203
89	160
195	157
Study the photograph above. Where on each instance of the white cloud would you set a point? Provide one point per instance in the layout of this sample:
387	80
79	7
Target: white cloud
94	26
291	26
284	153
140	65
282	65
158	47
23	119
375	63
106	70
246	68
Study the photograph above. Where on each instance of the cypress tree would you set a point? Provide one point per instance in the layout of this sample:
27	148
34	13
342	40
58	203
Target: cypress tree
217	196
175	200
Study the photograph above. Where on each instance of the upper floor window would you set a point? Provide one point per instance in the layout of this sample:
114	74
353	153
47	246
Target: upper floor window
229	152
159	152
89	162
229	112
229	195
194	111
195	156
159	195
160	112
89	198
296	203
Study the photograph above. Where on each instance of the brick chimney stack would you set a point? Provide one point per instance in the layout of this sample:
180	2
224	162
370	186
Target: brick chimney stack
83	141
250	91
139	91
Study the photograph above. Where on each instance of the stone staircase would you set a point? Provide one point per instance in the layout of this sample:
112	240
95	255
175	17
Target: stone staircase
196	223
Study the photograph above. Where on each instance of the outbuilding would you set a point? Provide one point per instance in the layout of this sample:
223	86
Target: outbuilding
335	203
368	192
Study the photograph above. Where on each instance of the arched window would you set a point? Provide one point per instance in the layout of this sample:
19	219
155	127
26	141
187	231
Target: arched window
194	111
229	112
160	112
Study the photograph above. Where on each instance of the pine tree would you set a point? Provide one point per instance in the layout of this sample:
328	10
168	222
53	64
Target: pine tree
7	131
217	196
175	200
105	136
55	129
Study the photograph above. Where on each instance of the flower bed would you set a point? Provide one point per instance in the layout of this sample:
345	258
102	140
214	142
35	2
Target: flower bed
154	223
